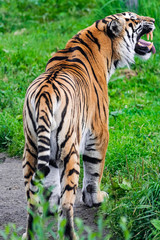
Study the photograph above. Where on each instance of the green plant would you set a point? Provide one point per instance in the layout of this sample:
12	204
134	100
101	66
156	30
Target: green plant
137	200
45	226
123	225
10	232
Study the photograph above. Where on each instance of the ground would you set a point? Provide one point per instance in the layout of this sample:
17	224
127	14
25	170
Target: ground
13	201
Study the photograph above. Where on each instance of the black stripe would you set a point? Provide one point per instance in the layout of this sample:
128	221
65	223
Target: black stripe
97	101
104	110
33	182
112	51
46	116
71	152
71	84
36	81
95	174
131	25
44	120
42	128
73	171
42	149
44	78
37	95
28	175
56	90
91	159
34	192
44	94
47	140
86	45
95	40
110	18
44	158
108	65
77	60
90	145
49	96
57	58
63	86
28	195
127	33
52	162
32	154
32	143
138	28
63	114
104	21
31	117
67	158
45	170
90	149
27	129
69	188
116	63
115	16
42	141
67	136
25	183
128	47
97	22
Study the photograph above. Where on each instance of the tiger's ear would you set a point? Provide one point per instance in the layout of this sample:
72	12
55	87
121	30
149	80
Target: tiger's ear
115	27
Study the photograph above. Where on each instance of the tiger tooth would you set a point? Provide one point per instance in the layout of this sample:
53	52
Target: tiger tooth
150	46
140	44
151	34
147	36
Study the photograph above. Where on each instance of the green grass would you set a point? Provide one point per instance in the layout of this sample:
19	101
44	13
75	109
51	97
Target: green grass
29	32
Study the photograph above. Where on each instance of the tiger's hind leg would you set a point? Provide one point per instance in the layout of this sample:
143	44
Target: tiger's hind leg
47	177
69	183
93	164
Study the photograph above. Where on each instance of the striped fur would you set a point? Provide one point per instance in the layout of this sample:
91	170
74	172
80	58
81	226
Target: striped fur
66	114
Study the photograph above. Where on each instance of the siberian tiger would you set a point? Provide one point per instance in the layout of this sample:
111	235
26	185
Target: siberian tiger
66	112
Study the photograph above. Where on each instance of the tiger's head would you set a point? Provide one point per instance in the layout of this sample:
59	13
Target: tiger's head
125	31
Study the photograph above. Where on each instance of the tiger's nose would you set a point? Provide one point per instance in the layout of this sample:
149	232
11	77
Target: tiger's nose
148	19
152	20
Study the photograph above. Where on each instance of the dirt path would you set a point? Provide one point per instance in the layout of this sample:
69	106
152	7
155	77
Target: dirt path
13	202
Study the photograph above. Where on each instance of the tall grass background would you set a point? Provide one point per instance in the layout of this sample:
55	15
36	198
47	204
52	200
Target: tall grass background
30	31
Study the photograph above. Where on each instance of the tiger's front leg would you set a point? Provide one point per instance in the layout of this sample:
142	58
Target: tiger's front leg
93	165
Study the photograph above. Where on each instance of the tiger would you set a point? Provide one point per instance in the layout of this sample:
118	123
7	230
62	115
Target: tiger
66	113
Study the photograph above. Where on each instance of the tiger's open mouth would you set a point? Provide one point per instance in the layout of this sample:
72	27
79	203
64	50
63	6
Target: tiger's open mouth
142	47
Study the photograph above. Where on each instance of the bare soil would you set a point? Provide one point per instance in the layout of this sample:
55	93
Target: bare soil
13	201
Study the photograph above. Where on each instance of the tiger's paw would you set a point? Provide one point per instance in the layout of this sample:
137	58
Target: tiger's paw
92	198
74	236
24	236
102	195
